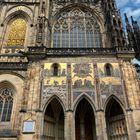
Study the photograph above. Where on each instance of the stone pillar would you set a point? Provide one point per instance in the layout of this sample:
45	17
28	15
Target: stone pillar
101	130
39	125
130	125
69	126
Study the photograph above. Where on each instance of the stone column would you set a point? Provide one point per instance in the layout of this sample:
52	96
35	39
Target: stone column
69	126
130	125
101	130
39	125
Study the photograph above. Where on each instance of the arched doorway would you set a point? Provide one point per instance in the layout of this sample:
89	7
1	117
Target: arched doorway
85	121
116	123
54	121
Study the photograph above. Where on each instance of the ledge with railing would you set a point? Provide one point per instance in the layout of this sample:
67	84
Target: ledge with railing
13	62
19	61
67	52
21	1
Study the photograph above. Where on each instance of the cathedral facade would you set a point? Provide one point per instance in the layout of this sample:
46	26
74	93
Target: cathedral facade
66	71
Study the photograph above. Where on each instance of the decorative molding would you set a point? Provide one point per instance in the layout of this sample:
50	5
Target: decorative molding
43	52
13	62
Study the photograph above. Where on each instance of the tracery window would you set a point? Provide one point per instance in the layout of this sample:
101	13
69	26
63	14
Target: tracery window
76	29
6	104
17	32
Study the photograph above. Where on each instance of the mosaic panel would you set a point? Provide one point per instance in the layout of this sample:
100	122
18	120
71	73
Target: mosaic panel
116	70
54	84
82	79
112	84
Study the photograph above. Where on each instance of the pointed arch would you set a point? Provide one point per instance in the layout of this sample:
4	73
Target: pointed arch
13	73
16	14
52	98
17	42
113	97
76	27
115	120
84	96
7	92
83	8
17	32
85	125
5	83
54	119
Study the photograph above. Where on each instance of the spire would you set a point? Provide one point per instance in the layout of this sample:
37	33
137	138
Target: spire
128	26
126	19
135	25
130	34
132	20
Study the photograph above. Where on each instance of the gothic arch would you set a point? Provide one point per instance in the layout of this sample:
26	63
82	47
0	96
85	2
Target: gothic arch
76	27
115	120
111	97
52	98
83	8
20	13
7	99
6	83
13	73
19	9
85	123
86	97
23	5
12	17
54	119
15	80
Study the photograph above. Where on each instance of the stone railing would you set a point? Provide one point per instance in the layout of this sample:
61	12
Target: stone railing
124	49
21	1
46	52
69	51
13	62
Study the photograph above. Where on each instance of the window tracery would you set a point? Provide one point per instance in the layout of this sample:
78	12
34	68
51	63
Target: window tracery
76	29
6	104
17	32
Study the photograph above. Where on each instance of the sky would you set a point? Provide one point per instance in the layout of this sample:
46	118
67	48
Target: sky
130	7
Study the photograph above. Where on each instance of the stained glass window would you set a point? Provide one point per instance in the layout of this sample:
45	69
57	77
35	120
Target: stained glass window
76	29
6	104
17	31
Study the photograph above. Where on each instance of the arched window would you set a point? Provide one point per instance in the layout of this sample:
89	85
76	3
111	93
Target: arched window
16	33
6	104
76	29
55	69
108	70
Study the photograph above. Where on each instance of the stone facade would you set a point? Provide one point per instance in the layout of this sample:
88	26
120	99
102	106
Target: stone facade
66	93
